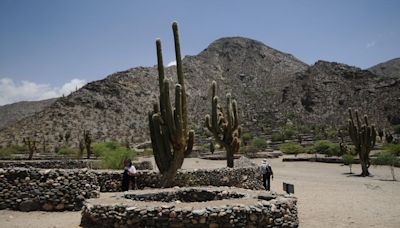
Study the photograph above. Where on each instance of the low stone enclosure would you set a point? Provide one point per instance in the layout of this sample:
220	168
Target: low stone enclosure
61	189
191	207
66	164
222	156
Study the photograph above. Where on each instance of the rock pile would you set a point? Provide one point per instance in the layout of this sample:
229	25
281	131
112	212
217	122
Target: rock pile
244	162
49	190
249	211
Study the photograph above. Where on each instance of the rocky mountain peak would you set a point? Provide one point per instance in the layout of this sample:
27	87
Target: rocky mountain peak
389	68
271	88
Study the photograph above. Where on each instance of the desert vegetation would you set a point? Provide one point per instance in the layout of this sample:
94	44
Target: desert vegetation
171	139
224	126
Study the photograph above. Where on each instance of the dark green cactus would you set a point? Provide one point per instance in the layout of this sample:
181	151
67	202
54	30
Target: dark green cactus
170	138
225	127
88	143
363	137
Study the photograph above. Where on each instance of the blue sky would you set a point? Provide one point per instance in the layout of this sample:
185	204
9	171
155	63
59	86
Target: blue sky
44	45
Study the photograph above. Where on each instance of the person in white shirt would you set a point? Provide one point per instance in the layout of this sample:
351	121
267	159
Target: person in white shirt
128	177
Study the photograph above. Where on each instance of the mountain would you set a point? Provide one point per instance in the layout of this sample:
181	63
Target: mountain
272	89
389	68
324	92
11	113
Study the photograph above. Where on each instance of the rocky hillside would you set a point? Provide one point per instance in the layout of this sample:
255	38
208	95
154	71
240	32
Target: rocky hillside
11	113
271	87
389	68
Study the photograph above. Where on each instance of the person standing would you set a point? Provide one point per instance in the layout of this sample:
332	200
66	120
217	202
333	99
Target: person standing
267	173
128	177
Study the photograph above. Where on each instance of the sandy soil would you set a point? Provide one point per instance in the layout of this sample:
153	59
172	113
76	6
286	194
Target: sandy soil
328	197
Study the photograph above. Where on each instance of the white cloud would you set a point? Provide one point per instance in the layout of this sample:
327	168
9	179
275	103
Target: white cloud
11	91
173	63
370	44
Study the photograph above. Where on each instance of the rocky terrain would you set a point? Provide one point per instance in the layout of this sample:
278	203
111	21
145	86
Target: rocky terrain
389	68
11	113
272	88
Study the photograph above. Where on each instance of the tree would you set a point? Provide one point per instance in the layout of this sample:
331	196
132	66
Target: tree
348	159
224	126
364	138
31	145
170	138
389	159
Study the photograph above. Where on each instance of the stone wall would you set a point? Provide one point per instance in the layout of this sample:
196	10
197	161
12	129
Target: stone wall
60	189
66	164
249	178
252	209
50	190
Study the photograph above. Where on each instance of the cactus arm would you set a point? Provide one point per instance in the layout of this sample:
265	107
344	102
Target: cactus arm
190	143
229	111
208	124
162	155
179	70
167	114
214	115
235	114
178	111
160	68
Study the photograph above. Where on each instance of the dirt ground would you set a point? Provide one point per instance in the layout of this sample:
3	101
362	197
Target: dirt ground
328	197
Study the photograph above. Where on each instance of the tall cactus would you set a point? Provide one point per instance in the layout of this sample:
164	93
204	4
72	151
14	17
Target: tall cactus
225	127
363	137
170	138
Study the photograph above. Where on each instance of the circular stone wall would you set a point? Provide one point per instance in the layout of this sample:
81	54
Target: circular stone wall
191	207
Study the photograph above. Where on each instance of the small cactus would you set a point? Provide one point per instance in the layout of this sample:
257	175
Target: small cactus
88	142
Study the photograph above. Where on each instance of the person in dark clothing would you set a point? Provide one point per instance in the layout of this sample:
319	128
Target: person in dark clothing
267	173
128	176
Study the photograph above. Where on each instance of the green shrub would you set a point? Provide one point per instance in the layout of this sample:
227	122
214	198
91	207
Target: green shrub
386	158
292	148
99	149
249	149
147	152
112	154
277	136
288	132
258	143
68	151
392	148
246	137
396	129
326	147
12	149
348	159
304	129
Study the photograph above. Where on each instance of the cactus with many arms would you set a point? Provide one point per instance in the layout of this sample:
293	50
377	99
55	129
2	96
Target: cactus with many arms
225	127
363	137
170	138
